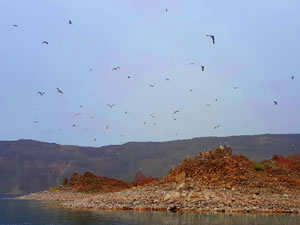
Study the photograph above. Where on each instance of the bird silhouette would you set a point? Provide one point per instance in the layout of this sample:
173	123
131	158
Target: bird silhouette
106	127
212	38
144	123
166	10
216	127
36	121
208	104
70	22
116	68
202	68
154	124
192	63
152	85
176	111
191	90
216	100
15	25
45	42
59	91
175	118
128	77
110	106
167	79
95	139
74	125
41	93
92	117
81	106
126	112
275	102
152	115
292	77
78	114
235	88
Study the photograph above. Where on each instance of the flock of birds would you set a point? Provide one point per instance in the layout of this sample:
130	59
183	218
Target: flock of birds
111	106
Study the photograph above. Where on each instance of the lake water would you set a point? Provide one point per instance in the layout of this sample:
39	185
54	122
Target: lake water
36	212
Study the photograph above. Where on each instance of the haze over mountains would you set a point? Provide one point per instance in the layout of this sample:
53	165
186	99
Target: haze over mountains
30	166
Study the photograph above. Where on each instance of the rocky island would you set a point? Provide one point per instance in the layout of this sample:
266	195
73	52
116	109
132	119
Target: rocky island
213	181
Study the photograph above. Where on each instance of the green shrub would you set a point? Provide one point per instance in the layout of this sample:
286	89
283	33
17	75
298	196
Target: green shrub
258	167
53	189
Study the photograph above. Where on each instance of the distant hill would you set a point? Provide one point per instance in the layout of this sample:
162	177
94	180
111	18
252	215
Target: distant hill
30	166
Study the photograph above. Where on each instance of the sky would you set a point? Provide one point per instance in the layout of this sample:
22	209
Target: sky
257	50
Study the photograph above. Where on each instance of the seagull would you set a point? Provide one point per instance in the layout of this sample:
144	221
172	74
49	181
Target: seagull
235	88
128	77
95	139
217	126
208	104
41	93
110	105
166	10
175	118
192	63
45	42
176	111
167	79
106	127
116	68
36	121
191	90
126	112
81	106
292	77
91	69
74	125
15	25
275	102
216	100
70	22
154	124
59	91
152	85
152	115
202	68
144	123
212	38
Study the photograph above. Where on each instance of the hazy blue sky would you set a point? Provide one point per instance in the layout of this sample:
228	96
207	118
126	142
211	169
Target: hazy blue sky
257	49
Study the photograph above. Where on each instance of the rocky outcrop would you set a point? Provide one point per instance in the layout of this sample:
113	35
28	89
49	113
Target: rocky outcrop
88	182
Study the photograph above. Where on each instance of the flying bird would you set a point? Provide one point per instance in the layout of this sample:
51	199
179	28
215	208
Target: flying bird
216	127
77	114
126	112
59	91
154	124
81	106
110	105
292	77
192	63
45	42
74	125
116	68
275	102
106	127
15	25
235	88
191	90
152	115
167	79
128	77
166	10
208	104
70	22
216	100
152	85
212	38
144	123
175	118
95	139
176	111
202	68
36	121
41	93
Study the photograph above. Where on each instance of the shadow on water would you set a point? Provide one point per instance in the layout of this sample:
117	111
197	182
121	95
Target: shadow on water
35	212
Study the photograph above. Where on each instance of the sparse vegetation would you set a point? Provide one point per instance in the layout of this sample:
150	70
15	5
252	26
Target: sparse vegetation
65	181
53	189
258	167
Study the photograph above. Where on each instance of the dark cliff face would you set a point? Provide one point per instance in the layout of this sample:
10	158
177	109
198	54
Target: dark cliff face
30	166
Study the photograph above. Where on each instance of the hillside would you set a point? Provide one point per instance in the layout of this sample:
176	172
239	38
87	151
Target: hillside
46	164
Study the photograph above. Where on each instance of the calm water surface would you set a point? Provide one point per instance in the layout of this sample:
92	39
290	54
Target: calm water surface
35	212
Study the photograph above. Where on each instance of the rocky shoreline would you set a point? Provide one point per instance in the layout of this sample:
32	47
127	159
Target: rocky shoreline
214	181
183	197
